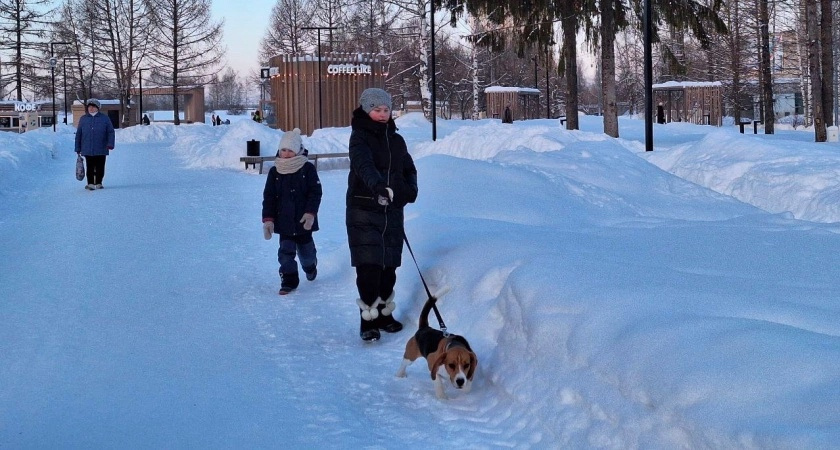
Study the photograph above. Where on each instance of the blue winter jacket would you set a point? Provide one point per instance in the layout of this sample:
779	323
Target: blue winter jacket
94	135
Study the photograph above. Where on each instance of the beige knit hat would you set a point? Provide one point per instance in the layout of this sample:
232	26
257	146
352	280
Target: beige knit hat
291	141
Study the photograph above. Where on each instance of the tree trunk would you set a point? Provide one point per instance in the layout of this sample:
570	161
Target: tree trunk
812	24
802	58
767	77
569	23
476	82
424	44
176	31
827	61
608	98
735	54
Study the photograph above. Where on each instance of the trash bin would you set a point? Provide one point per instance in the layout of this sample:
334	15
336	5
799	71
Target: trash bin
832	133
253	148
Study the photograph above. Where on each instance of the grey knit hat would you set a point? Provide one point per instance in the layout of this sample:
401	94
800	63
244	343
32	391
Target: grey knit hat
373	97
93	102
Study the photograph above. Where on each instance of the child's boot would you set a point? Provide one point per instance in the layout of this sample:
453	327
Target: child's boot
288	282
311	272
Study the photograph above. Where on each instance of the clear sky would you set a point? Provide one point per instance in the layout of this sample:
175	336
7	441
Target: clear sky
245	23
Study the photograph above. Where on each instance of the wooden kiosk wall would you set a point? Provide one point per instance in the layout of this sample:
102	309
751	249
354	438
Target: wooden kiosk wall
294	88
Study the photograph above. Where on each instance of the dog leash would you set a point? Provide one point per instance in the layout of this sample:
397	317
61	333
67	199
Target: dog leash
426	286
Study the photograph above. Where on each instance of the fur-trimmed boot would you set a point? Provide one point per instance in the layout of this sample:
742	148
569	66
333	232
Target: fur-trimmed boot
386	320
368	330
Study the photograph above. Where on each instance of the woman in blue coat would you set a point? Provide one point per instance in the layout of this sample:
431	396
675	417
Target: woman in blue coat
94	141
382	180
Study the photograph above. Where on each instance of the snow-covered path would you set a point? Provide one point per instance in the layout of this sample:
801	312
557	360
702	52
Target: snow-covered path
162	326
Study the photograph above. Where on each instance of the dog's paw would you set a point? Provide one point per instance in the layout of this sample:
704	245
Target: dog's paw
400	373
439	393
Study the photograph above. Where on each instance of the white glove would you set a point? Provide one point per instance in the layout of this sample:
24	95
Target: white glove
307	220
268	230
390	193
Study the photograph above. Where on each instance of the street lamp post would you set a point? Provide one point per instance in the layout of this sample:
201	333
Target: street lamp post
320	99
648	39
64	73
547	90
535	72
52	75
140	72
547	85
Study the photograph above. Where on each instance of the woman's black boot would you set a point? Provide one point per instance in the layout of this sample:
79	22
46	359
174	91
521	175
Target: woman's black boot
386	320
368	330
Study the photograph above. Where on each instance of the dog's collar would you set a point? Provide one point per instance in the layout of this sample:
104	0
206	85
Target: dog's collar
457	341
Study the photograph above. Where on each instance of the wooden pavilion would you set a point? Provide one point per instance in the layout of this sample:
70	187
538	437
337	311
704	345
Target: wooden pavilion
689	101
524	102
309	92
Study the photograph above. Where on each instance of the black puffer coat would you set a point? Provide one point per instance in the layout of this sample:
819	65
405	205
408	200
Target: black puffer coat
377	155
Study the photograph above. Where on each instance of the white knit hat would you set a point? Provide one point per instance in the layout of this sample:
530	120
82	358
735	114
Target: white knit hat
291	141
373	97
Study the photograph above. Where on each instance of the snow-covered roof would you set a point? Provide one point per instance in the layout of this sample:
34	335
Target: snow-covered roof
685	84
36	102
511	89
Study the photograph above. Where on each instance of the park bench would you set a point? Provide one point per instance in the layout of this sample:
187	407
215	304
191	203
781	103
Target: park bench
259	160
755	124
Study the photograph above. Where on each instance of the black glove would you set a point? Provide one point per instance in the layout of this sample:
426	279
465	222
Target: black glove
384	194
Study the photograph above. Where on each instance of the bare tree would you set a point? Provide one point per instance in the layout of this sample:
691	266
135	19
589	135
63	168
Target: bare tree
123	38
629	73
186	41
284	35
228	93
23	26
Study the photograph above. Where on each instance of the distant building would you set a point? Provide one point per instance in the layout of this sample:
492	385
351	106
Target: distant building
25	116
109	107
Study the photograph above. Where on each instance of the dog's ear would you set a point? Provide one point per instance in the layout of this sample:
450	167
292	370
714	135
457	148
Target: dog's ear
437	364
473	365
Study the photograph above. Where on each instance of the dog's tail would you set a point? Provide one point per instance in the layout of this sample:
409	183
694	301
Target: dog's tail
424	313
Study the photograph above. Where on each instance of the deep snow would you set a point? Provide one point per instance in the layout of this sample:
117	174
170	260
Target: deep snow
682	298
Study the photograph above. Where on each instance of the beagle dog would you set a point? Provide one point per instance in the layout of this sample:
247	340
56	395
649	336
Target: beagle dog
447	355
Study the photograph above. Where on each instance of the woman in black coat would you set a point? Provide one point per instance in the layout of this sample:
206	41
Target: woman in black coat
381	182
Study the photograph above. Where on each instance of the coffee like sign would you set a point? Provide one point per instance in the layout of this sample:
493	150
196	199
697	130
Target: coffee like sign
352	69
